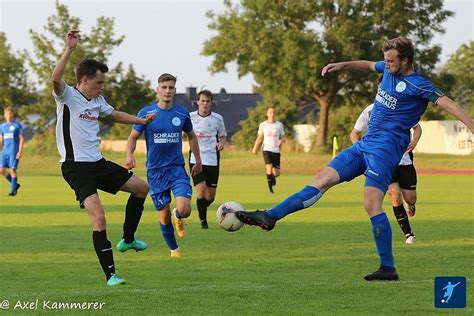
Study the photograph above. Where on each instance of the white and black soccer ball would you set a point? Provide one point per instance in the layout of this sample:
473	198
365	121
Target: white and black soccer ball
226	218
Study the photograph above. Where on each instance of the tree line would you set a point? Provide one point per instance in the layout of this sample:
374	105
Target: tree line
282	43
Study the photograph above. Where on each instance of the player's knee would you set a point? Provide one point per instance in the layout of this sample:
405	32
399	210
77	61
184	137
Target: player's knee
142	189
184	211
99	221
411	199
372	207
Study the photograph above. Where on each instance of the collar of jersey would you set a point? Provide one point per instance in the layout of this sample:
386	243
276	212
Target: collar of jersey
81	93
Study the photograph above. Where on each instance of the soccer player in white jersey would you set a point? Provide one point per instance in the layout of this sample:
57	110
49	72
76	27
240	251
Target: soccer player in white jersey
272	134
211	134
82	165
404	179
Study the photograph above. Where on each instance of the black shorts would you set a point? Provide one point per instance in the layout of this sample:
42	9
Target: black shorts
271	158
86	177
406	177
210	174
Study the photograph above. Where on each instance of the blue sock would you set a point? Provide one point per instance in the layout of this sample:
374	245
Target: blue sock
168	234
13	184
298	201
383	239
8	177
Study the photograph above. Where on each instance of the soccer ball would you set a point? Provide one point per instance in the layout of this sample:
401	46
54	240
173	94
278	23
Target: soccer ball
226	218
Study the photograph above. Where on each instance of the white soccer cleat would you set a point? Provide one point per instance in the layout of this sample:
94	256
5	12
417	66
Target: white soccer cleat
410	239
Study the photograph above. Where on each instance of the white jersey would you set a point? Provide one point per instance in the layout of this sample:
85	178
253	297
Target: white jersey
77	125
208	129
362	124
272	133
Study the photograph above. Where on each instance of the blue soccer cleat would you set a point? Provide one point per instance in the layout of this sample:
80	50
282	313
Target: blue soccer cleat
115	280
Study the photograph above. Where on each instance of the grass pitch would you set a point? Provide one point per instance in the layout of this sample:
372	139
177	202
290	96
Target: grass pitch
312	263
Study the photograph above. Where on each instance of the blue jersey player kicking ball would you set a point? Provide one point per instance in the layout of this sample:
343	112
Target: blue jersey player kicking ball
402	98
165	162
12	140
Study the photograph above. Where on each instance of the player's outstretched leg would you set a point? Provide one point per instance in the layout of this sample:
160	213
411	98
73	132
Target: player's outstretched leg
168	235
103	249
267	219
404	223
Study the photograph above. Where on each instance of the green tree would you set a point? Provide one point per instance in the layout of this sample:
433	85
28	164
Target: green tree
49	46
15	89
128	93
285	43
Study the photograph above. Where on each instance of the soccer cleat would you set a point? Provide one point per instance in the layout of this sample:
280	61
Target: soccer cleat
411	210
204	225
383	274
176	253
13	193
137	245
115	280
257	218
410	239
179	222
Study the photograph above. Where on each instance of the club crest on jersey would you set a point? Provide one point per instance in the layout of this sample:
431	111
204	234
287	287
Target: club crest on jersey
12	128
401	86
176	121
87	116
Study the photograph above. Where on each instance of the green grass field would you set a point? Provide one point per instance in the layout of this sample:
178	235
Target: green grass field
312	263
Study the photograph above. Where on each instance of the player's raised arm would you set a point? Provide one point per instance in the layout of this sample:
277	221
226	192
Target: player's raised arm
362	65
57	76
456	110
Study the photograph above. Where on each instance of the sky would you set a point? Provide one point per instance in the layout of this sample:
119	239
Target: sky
168	35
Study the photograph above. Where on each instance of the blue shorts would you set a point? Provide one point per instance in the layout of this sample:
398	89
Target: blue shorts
376	163
9	161
164	180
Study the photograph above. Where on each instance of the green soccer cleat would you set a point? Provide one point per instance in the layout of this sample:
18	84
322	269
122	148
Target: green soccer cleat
115	280
137	245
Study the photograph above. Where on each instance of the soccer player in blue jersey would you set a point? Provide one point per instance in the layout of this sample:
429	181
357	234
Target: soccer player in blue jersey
12	140
165	162
402	98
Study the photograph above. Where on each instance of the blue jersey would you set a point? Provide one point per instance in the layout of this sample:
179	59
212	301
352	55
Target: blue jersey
11	137
163	136
399	104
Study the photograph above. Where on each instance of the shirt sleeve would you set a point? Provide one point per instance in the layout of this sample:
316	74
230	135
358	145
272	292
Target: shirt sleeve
380	66
105	108
187	125
20	129
221	129
260	129
139	127
282	130
362	121
65	95
427	90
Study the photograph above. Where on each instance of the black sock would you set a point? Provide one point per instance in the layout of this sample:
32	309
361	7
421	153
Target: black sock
274	180
133	213
202	208
402	218
103	249
270	182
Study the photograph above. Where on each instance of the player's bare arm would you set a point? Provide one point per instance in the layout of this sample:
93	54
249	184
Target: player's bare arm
362	65
221	144
20	147
416	137
194	146
125	118
456	110
257	144
355	135
72	39
130	149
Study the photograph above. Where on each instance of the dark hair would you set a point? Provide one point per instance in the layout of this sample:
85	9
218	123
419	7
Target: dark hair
207	93
402	45
88	68
166	77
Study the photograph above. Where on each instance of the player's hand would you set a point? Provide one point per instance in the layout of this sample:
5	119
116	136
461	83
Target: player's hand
197	169
330	68
254	151
219	146
411	146
72	38
149	118
18	155
130	163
